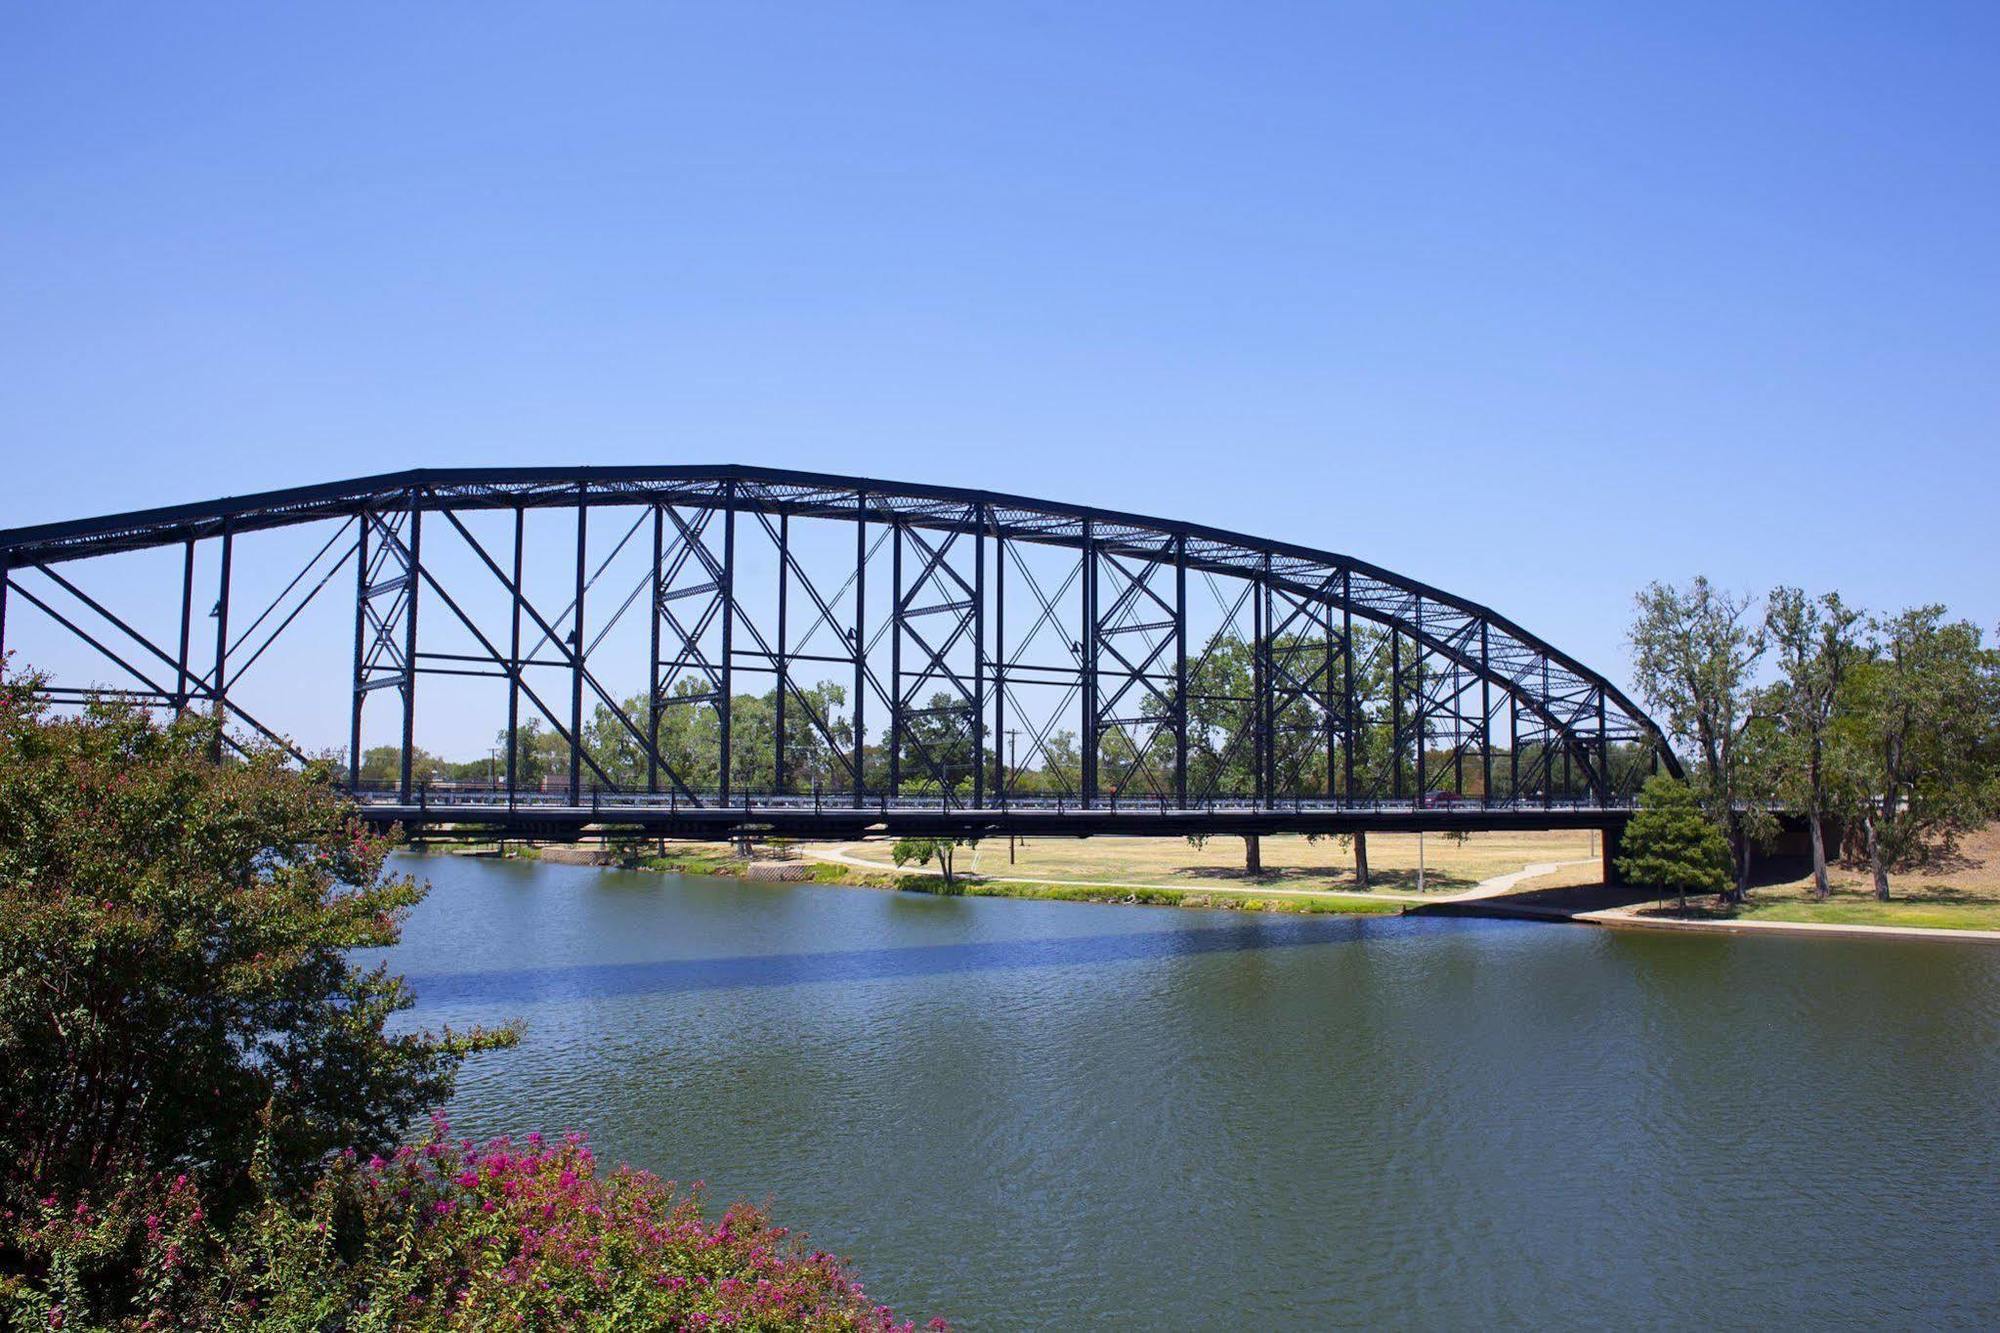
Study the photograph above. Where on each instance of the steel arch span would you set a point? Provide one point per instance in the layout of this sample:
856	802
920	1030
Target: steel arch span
701	650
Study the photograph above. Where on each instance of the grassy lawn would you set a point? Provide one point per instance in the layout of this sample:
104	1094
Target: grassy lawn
1220	900
697	858
1290	861
1845	910
1964	895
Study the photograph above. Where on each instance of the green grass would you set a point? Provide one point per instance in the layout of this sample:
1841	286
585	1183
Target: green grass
693	860
1851	912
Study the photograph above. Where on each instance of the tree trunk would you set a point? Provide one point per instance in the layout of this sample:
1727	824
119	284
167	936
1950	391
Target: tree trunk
1253	854
1875	864
1361	861
1821	889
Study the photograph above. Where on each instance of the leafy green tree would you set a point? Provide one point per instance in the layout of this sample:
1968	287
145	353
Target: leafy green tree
176	978
1927	722
1695	651
539	754
1060	772
690	740
383	764
937	746
921	851
1671	843
1820	642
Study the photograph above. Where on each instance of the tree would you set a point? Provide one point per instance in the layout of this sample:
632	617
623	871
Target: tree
1670	843
920	851
1819	642
1927	710
936	742
1253	850
175	971
539	753
1694	652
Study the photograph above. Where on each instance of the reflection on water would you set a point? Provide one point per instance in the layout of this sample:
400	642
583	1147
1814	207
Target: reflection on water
578	980
1041	1114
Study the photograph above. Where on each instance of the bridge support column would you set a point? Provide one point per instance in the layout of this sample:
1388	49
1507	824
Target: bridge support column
1611	840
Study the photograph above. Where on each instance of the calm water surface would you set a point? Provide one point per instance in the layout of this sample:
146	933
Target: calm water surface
1024	1114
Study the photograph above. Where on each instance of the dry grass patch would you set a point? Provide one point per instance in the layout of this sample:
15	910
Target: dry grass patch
1290	861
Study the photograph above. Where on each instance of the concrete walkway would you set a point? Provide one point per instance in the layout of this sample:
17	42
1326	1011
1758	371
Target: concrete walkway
1505	884
1627	918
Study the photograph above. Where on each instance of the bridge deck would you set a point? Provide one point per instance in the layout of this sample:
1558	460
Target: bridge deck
555	819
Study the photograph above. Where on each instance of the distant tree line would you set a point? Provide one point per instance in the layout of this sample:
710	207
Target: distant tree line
937	752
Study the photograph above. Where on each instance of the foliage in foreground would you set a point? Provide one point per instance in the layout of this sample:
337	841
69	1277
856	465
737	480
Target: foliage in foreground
446	1235
175	979
195	1082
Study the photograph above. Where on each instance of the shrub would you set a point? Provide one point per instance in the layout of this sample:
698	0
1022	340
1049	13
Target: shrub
442	1235
174	973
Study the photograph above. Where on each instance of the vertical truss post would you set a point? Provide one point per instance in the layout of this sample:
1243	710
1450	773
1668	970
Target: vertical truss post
979	657
1603	755
360	639
514	667
1261	686
1459	735
860	646
1485	718
895	656
1328	705
1513	750
1002	779
221	691
1548	757
1089	664
1180	672
182	675
576	647
1347	680
653	658
6	574
728	631
1395	713
1421	721
414	574
784	667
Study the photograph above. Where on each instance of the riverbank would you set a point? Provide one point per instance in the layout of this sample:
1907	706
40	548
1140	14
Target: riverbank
1300	875
819	866
1553	885
1625	918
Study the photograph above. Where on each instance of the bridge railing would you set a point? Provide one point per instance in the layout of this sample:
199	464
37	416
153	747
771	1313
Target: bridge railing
609	801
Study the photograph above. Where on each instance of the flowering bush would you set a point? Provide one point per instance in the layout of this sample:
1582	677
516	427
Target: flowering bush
441	1235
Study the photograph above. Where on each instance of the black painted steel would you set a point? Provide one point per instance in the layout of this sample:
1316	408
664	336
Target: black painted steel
1353	678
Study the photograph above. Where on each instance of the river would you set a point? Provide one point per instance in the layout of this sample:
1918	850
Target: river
1026	1114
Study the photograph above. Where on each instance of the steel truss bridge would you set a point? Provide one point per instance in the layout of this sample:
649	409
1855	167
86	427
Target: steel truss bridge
714	651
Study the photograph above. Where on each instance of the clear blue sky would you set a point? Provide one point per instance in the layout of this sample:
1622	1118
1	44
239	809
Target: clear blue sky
1535	302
